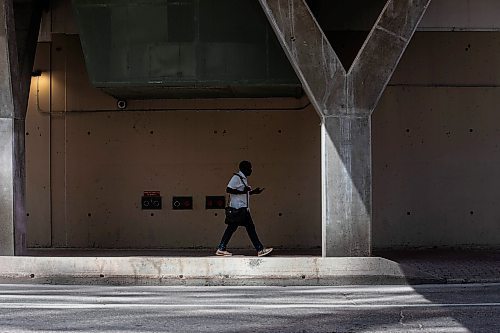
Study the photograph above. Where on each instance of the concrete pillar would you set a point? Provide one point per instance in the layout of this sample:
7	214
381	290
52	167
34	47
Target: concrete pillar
345	101
15	72
346	185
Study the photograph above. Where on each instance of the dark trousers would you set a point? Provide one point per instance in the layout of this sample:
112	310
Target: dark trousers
231	228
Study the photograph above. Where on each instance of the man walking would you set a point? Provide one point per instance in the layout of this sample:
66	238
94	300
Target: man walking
240	192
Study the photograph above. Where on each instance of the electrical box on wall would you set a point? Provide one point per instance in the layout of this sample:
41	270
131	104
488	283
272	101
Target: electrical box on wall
151	200
215	202
182	203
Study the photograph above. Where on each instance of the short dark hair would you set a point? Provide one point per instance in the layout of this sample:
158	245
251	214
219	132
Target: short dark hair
245	165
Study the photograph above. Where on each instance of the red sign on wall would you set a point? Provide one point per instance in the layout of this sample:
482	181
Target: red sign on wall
151	193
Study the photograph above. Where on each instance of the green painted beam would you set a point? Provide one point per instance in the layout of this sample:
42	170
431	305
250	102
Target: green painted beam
183	48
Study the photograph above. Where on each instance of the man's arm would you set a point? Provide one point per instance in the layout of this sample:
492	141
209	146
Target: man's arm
258	190
234	191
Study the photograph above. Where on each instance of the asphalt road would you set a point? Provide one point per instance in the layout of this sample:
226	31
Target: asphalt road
438	308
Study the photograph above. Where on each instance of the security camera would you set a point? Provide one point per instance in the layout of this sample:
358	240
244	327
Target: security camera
121	104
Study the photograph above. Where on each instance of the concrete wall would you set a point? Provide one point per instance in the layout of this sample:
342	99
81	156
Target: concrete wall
462	15
436	144
88	170
435	155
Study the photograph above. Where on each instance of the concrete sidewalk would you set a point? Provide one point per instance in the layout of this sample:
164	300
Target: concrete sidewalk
200	267
451	265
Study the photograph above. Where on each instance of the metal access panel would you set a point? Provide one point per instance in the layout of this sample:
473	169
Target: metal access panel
182	203
215	202
183	48
151	200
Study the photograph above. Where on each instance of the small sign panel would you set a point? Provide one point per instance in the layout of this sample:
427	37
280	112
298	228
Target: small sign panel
182	203
152	193
215	202
151	200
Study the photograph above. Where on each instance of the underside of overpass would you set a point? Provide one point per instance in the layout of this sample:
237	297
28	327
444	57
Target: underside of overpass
166	97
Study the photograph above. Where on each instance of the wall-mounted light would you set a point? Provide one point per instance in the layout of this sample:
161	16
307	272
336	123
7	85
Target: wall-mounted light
36	73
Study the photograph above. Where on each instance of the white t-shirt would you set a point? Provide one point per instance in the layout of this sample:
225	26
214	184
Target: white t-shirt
238	200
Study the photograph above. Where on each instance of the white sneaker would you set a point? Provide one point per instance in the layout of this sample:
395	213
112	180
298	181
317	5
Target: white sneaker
223	253
265	251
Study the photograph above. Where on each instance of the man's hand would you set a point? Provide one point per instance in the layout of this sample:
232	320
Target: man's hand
258	190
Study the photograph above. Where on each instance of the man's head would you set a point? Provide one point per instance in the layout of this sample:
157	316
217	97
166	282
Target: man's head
246	168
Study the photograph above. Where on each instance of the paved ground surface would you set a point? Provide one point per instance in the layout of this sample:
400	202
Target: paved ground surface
455	266
428	308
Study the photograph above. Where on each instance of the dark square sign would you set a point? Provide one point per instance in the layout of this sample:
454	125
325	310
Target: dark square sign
182	203
215	202
151	200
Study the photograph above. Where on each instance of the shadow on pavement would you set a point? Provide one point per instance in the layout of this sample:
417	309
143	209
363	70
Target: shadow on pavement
453	266
458	267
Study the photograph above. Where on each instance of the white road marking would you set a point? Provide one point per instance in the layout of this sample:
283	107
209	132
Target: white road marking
236	305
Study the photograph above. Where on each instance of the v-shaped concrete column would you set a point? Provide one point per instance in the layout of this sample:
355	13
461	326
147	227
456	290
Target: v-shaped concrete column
345	102
15	72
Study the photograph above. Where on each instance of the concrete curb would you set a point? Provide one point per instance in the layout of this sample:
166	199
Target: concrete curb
279	271
472	280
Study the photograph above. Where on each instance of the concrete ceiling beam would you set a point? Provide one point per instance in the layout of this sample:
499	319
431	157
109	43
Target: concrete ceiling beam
379	56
